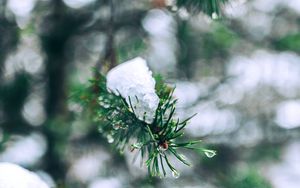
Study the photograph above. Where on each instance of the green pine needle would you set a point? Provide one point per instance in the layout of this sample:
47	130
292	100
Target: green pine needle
156	141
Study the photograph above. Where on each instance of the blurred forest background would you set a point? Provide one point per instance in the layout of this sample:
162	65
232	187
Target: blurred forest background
239	71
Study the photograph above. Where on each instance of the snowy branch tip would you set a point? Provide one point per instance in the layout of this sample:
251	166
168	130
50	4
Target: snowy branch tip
134	82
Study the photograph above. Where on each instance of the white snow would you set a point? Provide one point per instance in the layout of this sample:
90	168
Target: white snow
14	176
133	80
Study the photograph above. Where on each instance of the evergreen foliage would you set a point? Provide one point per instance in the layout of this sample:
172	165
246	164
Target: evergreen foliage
156	142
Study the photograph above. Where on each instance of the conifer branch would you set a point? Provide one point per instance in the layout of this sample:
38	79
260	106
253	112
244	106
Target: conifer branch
155	142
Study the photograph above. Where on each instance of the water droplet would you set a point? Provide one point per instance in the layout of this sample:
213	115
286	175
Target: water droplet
175	174
110	138
103	103
106	105
210	153
116	126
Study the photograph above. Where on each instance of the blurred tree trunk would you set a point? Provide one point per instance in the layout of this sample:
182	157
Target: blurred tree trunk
57	28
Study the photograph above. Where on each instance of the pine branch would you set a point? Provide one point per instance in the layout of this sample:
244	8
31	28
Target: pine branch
156	142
